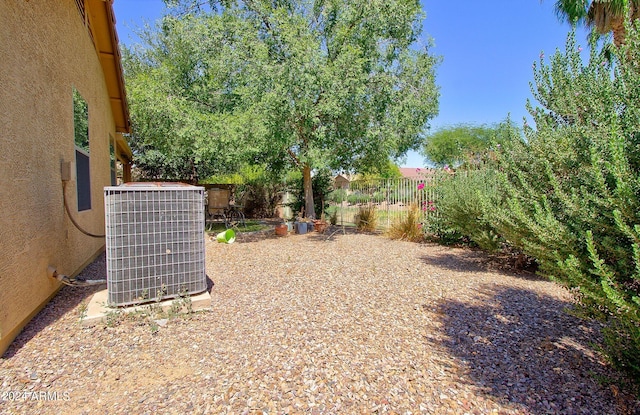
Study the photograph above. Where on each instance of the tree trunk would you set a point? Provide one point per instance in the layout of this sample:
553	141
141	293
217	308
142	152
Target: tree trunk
309	210
619	31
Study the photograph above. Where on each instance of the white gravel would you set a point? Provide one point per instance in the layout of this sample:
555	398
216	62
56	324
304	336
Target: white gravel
350	324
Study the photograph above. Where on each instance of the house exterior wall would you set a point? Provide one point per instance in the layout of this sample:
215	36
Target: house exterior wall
46	51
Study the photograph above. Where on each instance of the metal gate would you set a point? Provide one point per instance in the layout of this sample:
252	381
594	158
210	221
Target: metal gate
392	198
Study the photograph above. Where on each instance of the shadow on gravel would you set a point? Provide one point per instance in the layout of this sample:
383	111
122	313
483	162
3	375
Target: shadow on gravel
66	300
469	260
525	349
331	234
62	303
466	260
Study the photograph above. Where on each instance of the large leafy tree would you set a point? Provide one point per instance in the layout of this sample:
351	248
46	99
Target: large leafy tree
602	15
311	84
183	114
467	143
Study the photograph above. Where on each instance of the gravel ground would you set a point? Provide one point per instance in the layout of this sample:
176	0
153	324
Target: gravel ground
349	324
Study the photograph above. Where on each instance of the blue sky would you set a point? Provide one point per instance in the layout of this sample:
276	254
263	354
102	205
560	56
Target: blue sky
487	49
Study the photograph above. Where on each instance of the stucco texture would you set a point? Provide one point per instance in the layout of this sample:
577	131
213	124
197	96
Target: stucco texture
46	51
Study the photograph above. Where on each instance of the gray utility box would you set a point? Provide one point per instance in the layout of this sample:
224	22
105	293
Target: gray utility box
154	242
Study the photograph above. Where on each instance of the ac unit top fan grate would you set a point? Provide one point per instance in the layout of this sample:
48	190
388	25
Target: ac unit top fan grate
154	242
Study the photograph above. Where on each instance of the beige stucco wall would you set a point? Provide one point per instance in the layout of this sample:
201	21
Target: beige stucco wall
45	51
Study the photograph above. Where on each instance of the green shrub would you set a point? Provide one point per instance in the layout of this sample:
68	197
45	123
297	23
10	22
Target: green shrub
439	230
261	191
379	197
572	190
464	207
333	216
357	198
257	188
337	196
437	227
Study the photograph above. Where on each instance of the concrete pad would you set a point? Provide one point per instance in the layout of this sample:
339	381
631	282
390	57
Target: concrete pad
97	309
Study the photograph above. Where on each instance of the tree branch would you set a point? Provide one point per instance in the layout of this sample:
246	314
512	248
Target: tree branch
294	157
251	5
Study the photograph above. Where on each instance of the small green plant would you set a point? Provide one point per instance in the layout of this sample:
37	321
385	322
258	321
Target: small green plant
144	295
113	317
186	300
153	326
152	310
82	311
408	228
160	293
176	307
367	218
181	304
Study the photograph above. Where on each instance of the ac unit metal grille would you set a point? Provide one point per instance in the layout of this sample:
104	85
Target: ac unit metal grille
154	242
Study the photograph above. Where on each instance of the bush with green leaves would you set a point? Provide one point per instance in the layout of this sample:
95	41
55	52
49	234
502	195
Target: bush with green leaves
258	189
337	195
572	190
357	198
464	206
261	192
436	227
379	197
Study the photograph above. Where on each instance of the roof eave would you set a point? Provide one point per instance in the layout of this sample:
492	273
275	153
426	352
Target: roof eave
106	42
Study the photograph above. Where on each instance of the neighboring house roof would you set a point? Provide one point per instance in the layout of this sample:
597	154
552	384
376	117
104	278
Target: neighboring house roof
415	172
346	177
406	172
101	22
